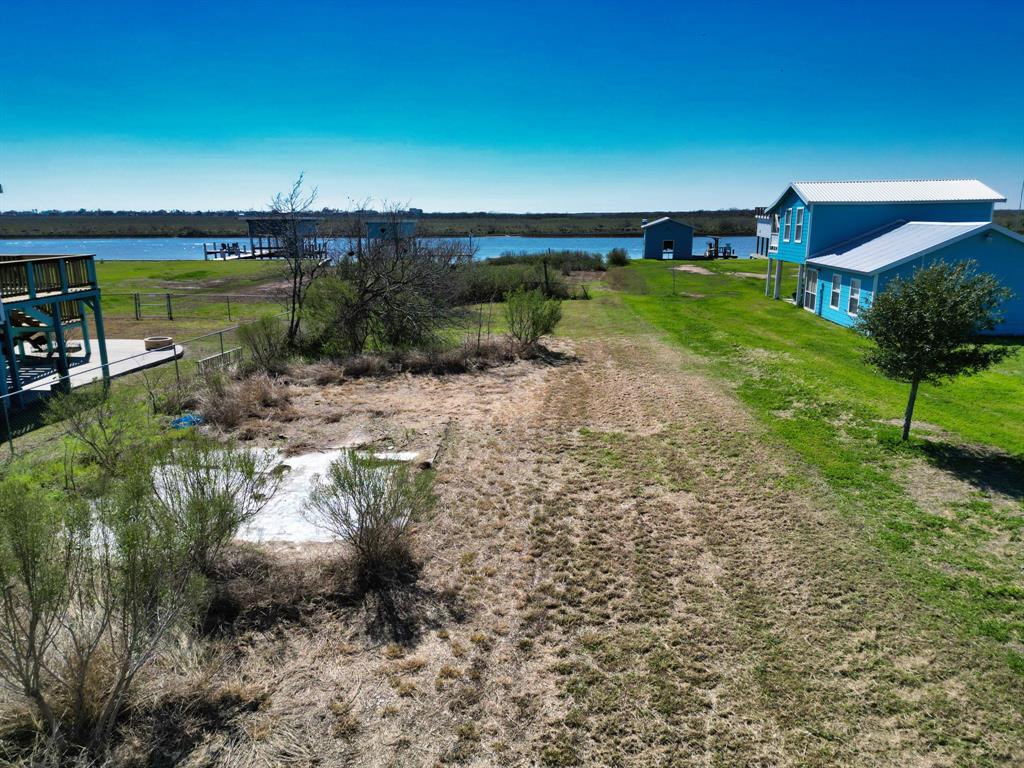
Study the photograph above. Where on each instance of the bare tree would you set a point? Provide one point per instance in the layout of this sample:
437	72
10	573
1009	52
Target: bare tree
302	247
389	286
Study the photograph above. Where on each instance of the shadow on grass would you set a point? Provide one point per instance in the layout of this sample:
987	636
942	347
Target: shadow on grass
985	469
256	590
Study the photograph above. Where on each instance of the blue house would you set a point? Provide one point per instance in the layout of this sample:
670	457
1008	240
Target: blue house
667	238
850	238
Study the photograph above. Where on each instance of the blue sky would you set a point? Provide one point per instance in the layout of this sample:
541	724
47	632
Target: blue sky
513	106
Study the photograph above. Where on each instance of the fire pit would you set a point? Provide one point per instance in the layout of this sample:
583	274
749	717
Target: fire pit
158	342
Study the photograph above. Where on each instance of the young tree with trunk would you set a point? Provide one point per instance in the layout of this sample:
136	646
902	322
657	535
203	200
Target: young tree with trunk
304	258
926	328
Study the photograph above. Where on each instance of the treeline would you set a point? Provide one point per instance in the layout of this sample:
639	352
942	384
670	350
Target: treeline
231	224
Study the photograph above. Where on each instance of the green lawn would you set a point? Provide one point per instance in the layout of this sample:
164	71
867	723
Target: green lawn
198	290
804	379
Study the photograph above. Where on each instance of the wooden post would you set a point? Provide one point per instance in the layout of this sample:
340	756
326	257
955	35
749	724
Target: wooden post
138	306
170	308
778	279
229	308
768	278
63	374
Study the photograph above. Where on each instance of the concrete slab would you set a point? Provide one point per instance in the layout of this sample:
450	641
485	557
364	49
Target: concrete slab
123	355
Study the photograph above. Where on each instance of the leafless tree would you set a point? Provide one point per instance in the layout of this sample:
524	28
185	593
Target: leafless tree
389	285
302	247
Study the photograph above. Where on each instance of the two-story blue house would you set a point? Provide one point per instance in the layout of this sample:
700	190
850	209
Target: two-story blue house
850	238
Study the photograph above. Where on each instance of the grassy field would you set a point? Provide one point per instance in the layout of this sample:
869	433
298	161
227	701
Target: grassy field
946	510
198	289
685	535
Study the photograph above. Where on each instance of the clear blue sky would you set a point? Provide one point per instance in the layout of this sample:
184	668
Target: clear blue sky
582	106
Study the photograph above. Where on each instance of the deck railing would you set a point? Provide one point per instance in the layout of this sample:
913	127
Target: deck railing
32	276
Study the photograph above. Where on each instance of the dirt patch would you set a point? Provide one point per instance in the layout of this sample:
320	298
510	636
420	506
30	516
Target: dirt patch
693	269
754	275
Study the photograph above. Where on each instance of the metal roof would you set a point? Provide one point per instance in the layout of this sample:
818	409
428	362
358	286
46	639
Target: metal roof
895	191
664	218
894	244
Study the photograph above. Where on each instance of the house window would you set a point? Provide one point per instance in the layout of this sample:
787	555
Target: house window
799	233
836	284
854	303
668	248
788	225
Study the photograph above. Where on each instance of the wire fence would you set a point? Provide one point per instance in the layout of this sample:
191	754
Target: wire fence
161	371
168	306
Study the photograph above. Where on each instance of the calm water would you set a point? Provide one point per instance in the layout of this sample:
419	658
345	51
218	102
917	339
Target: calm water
184	248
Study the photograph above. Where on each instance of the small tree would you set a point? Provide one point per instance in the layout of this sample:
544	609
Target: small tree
618	257
926	328
303	259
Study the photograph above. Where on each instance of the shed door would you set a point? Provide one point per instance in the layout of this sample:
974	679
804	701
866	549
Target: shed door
668	249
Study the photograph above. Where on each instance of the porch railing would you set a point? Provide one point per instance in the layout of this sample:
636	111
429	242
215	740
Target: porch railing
30	276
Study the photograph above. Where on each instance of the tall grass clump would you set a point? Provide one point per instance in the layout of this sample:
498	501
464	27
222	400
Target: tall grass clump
370	505
530	315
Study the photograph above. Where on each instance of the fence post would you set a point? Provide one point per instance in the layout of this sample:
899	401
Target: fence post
177	375
170	309
221	335
8	432
229	308
138	306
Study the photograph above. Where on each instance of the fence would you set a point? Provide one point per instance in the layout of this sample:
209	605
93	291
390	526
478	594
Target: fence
200	356
168	306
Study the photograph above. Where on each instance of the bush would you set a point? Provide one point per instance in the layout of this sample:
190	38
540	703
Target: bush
91	590
265	342
208	491
370	505
225	401
618	257
530	316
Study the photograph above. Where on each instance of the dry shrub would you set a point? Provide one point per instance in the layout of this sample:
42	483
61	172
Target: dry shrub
226	402
365	365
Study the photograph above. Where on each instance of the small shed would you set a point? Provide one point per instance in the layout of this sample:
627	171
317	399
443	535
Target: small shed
666	238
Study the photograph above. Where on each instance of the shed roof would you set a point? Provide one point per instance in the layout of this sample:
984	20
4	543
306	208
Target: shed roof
899	242
664	219
894	191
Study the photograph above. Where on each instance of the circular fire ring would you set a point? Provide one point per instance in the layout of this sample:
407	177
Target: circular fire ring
158	342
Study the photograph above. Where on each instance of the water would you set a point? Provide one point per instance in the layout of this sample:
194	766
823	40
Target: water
190	249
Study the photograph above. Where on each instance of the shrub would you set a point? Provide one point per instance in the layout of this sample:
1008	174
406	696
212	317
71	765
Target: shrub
105	425
370	505
225	401
530	316
208	491
91	590
265	342
618	257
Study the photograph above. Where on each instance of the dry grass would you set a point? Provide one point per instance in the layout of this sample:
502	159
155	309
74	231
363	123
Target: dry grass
621	570
226	402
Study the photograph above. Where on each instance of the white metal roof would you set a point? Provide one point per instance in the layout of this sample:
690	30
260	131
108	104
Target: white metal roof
895	191
664	218
892	245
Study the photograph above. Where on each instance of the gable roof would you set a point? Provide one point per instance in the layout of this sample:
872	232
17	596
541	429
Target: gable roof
900	242
664	219
896	191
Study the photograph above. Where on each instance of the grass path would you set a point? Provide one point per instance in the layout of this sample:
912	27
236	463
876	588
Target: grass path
685	593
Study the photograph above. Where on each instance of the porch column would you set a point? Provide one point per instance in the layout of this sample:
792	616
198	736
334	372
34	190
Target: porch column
63	372
768	278
101	338
778	278
800	286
